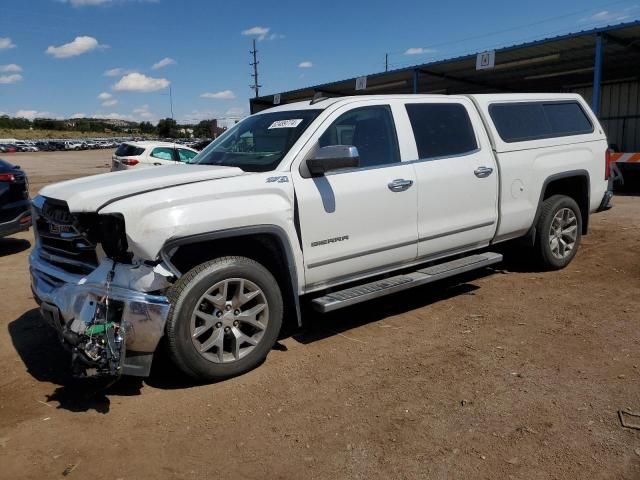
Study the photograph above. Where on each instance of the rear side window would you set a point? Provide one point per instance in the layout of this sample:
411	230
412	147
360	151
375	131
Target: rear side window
441	129
519	122
163	153
126	150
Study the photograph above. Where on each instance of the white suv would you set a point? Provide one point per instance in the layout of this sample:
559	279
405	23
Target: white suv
148	154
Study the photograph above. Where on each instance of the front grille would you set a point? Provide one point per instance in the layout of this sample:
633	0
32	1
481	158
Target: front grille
61	241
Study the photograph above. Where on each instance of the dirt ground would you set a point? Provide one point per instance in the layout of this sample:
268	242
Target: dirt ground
509	373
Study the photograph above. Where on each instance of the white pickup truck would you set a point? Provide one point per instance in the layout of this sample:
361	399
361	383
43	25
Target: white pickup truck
333	201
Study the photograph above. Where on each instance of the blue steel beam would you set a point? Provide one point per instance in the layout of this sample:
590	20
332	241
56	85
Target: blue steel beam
597	76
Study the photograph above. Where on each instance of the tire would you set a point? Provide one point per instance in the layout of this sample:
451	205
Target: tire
558	232
206	315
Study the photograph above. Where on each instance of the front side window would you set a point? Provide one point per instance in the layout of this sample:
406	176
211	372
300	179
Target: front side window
162	153
258	143
185	155
371	130
441	129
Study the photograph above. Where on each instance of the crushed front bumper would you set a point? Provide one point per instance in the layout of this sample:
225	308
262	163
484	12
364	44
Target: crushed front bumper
68	301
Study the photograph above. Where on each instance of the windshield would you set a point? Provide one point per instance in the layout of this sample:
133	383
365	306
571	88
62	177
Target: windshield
258	143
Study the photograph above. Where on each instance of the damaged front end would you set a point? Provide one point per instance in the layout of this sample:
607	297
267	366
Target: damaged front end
108	307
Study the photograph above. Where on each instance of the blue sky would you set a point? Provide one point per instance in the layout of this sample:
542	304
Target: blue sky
116	58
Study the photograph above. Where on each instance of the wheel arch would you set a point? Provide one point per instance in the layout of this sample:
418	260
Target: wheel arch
575	184
266	244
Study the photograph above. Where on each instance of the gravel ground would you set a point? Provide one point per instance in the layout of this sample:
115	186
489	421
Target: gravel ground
507	373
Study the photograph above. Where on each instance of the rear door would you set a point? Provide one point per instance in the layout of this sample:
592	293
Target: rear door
456	174
162	156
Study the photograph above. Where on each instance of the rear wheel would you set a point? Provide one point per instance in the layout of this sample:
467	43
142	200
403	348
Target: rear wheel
558	232
224	319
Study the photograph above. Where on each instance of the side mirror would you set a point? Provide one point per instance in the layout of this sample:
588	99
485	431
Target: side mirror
333	157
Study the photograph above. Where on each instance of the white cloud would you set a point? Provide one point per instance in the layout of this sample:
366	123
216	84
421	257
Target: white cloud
143	113
198	115
13	78
139	114
418	51
223	95
113	116
6	43
11	68
77	46
92	3
84	3
137	82
235	112
113	72
31	114
606	16
260	32
110	103
78	115
305	65
104	96
609	16
165	62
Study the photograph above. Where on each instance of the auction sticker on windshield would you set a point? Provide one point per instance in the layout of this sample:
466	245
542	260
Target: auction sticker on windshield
293	123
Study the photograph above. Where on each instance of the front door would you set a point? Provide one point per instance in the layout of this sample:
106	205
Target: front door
361	220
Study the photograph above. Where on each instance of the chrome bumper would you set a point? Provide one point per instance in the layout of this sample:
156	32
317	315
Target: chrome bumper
67	298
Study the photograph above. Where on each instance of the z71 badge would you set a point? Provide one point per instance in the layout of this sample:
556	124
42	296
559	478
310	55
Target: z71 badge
282	179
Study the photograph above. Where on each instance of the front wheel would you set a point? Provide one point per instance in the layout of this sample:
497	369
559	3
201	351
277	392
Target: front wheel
224	319
558	232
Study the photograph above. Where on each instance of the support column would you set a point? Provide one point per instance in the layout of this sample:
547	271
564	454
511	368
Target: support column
597	76
416	78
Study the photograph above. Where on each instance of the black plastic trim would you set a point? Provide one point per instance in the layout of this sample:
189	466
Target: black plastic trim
559	176
275	230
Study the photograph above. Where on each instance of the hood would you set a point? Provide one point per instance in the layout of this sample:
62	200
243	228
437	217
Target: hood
89	194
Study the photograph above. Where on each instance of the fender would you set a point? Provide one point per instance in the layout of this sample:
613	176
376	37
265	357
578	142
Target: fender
276	231
530	236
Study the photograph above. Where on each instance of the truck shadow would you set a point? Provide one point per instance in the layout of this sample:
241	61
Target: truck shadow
11	246
320	326
47	361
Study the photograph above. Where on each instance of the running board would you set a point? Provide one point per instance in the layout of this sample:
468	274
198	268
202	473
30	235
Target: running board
362	293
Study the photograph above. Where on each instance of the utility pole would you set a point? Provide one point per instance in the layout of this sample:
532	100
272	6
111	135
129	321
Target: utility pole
386	62
171	101
256	86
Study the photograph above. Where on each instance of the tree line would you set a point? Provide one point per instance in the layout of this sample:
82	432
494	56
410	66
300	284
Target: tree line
166	128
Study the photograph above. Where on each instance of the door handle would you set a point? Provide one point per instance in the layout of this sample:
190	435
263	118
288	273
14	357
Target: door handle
400	185
483	172
157	164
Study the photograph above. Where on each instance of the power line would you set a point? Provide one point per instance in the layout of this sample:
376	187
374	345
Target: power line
467	51
520	27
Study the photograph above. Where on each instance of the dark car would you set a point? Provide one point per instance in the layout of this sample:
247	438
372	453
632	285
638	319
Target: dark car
15	206
45	146
201	145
